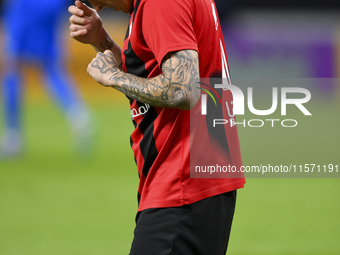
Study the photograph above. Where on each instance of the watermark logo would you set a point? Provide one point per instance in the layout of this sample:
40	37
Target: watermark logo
237	106
204	100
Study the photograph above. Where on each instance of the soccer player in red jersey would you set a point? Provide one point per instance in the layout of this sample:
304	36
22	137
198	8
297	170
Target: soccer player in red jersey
169	44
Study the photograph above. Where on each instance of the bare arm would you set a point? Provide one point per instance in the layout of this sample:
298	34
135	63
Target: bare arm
177	87
106	43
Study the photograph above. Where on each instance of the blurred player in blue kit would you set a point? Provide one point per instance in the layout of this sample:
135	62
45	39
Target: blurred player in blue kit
31	36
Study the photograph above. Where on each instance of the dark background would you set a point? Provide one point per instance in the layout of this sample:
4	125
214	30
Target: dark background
227	7
239	4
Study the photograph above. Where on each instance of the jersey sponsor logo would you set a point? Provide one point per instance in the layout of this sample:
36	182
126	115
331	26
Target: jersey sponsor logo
142	110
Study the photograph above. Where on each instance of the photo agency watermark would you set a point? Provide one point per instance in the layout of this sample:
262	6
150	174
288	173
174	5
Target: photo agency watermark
240	101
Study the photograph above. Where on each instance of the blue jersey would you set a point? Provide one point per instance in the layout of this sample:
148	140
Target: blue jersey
32	27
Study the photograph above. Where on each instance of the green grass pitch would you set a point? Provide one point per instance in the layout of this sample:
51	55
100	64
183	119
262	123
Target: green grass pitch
52	202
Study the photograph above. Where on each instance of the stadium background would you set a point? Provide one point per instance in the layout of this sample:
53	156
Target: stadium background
53	202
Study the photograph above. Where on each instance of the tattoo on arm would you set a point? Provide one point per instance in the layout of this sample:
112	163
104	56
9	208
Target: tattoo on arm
107	43
175	88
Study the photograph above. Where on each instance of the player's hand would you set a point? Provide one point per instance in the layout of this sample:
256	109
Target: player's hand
103	68
86	25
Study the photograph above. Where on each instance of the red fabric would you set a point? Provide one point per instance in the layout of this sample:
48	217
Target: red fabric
167	26
160	27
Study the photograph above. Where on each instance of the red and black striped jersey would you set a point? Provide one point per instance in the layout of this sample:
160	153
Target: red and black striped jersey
161	139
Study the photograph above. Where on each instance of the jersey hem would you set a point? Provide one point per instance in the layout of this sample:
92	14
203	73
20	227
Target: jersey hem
194	198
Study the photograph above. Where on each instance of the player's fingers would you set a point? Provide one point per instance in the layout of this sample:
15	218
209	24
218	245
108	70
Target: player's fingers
108	52
87	10
78	33
100	55
74	19
88	68
109	57
91	67
74	28
75	10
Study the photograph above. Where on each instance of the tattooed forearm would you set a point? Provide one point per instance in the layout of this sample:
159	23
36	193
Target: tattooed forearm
107	43
177	87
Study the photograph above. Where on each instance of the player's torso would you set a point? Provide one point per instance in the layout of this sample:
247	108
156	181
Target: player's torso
138	59
161	139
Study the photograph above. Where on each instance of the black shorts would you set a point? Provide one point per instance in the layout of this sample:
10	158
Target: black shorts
201	228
